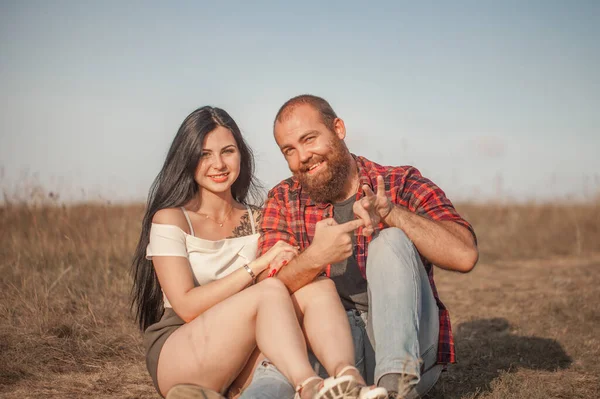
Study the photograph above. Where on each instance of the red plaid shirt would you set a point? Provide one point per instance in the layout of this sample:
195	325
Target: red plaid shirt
291	215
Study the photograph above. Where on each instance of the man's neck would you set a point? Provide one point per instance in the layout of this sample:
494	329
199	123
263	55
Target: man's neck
352	184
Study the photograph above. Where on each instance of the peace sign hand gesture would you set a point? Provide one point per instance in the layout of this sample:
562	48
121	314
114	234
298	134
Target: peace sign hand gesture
373	208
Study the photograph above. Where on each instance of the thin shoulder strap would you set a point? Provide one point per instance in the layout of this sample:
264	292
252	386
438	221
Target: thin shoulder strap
251	217
188	220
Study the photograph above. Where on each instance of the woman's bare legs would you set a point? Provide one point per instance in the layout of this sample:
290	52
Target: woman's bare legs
325	326
213	348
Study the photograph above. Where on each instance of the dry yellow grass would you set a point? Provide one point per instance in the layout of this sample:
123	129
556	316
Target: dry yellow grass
526	320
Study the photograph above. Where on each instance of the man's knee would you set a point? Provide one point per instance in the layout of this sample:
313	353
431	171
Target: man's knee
391	239
390	252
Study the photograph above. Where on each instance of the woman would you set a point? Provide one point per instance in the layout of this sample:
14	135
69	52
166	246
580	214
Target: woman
196	260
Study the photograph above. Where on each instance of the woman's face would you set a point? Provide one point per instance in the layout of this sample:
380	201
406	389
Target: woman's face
219	164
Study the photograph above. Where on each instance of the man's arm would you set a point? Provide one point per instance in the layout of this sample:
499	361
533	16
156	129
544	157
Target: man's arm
332	243
445	242
275	226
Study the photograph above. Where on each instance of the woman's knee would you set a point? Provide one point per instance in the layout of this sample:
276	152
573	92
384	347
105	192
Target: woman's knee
324	284
272	287
321	286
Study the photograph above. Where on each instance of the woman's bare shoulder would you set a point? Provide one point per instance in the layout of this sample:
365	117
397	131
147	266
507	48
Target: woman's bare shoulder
171	216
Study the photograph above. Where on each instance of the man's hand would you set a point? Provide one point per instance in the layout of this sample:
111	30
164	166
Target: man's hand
332	241
373	208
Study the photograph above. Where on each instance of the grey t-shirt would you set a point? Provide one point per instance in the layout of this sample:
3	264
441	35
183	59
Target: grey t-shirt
350	284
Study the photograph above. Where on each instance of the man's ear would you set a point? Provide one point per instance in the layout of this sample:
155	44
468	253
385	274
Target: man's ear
339	127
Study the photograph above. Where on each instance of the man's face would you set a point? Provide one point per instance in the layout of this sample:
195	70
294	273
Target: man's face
316	155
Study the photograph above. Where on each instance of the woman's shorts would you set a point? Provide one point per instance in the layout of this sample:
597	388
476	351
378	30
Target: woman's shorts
155	337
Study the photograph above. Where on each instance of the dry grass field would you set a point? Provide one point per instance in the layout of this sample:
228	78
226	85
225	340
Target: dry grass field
526	320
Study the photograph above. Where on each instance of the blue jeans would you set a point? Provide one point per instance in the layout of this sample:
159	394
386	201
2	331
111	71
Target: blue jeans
399	331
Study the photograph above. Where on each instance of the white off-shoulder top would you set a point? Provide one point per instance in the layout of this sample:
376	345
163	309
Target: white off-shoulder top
209	260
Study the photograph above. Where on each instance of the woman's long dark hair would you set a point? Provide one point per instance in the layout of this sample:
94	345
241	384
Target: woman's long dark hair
174	187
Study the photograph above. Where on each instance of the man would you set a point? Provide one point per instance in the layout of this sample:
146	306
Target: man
383	271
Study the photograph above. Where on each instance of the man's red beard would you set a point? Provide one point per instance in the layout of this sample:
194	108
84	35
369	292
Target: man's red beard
327	185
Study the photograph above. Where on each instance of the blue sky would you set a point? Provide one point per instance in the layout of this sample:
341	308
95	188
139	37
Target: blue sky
491	100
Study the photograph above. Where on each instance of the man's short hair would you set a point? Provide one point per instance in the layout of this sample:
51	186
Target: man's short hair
327	113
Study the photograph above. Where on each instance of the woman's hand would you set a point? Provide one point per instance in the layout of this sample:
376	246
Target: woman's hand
280	261
278	255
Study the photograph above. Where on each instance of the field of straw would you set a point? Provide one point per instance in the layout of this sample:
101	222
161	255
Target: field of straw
526	320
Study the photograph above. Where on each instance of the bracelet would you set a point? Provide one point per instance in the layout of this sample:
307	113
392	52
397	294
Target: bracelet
251	273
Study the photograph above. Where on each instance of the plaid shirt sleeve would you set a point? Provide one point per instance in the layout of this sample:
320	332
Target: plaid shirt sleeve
275	224
425	198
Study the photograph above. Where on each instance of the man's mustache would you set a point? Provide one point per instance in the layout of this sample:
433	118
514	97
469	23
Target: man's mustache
309	164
